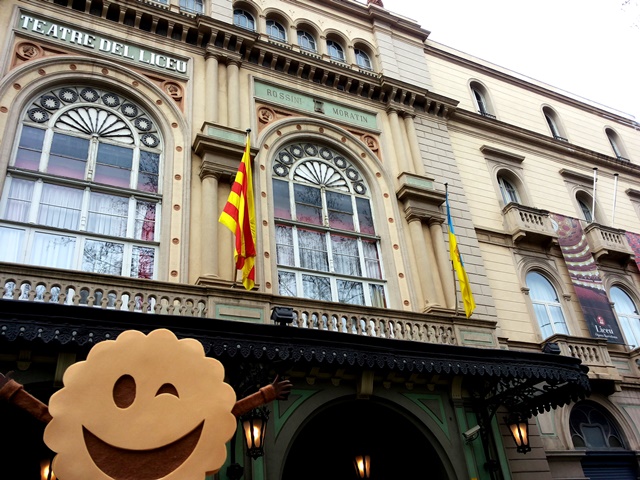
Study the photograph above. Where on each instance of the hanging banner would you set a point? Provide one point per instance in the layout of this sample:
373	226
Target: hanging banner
634	243
586	280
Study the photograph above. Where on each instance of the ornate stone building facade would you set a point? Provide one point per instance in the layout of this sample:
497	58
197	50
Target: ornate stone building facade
123	123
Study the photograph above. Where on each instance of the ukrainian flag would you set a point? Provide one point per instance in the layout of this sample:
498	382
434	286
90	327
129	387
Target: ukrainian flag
458	266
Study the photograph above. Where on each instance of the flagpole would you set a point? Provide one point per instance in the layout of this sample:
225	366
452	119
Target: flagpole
453	270
615	194
595	181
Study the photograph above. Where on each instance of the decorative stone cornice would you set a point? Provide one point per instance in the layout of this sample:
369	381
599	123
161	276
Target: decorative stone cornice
501	155
576	177
633	193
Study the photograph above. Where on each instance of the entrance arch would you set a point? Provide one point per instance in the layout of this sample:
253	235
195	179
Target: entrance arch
327	444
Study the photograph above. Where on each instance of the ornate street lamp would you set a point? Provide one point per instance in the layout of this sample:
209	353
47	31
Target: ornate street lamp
254	425
363	466
519	427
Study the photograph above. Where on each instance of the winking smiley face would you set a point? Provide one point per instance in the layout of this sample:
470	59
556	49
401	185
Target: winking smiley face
142	407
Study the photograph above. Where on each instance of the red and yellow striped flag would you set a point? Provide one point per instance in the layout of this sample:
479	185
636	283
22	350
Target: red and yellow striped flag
239	217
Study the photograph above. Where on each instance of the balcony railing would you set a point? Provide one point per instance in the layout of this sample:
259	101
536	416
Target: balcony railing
593	353
526	222
91	290
487	114
100	291
608	242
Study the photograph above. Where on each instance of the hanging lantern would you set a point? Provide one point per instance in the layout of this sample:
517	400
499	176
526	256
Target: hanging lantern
363	466
519	427
254	425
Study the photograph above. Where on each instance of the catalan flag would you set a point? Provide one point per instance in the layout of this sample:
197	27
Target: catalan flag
239	217
458	266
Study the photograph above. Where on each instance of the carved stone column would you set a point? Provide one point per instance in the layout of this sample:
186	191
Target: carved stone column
424	266
422	206
220	150
414	147
398	144
443	261
233	93
209	223
211	93
223	107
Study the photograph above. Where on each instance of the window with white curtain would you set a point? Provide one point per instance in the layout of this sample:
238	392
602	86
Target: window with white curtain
82	189
546	305
326	244
628	315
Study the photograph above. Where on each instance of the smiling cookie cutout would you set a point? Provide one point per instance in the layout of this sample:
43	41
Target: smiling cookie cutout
142	407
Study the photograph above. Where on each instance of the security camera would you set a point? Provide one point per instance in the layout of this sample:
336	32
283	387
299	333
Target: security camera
471	434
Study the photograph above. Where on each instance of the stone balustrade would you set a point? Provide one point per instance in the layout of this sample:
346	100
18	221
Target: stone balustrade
523	222
593	352
222	301
608	242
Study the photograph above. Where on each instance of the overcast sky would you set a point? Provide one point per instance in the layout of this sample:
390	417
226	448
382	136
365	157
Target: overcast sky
590	48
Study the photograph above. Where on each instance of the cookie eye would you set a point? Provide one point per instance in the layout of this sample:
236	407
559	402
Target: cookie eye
168	388
124	391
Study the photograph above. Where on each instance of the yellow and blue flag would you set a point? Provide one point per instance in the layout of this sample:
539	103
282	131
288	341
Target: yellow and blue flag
458	266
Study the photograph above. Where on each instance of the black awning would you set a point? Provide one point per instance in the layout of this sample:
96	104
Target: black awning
523	381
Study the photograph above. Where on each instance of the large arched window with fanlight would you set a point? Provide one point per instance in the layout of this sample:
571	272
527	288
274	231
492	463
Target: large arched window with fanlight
82	190
327	248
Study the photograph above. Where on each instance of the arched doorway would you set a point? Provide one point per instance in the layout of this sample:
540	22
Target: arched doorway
327	444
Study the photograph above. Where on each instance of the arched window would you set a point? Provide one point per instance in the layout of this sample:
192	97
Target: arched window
585	202
335	51
480	98
306	41
586	211
592	428
362	59
276	31
193	6
554	124
508	191
616	145
546	305
244	19
326	244
83	186
628	316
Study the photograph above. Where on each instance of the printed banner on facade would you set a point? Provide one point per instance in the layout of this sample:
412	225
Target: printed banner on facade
634	243
586	279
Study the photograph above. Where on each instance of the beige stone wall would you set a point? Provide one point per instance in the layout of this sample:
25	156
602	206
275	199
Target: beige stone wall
520	103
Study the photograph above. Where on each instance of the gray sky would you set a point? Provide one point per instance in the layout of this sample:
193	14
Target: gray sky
586	47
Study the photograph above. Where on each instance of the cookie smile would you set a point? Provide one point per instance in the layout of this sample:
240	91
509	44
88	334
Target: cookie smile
125	464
